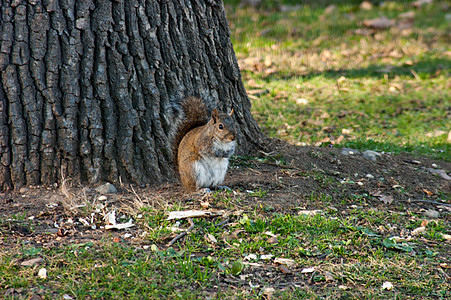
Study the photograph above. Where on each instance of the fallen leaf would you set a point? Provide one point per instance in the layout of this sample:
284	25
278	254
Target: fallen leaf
424	223
386	199
378	23
31	262
328	276
268	291
251	257
407	15
429	193
330	9
418	230
211	238
272	240
308	270
420	3
343	287
234	235
270	233
192	214
310	213
204	204
237	267
121	225
67	297
284	269
285	261
390	243
302	101
366	5
266	256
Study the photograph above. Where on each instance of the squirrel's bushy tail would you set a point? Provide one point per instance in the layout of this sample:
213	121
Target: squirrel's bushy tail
195	114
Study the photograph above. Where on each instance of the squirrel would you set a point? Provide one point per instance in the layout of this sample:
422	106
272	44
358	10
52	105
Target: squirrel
203	145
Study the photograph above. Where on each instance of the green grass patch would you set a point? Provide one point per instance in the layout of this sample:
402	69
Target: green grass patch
327	83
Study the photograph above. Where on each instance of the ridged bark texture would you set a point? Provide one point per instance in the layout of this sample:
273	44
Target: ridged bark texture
90	90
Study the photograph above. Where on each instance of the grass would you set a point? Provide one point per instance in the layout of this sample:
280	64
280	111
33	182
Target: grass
360	256
313	80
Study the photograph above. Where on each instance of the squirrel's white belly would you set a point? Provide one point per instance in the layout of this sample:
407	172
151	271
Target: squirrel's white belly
211	170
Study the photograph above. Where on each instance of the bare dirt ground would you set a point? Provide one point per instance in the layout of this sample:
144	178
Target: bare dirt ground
287	179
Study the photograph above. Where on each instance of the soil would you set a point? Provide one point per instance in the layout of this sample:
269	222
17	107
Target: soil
284	179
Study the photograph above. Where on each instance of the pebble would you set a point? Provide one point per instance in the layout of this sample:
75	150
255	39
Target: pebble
369	176
371	155
431	213
349	151
106	188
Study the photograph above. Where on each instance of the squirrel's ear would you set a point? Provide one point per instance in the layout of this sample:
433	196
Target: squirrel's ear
231	112
214	115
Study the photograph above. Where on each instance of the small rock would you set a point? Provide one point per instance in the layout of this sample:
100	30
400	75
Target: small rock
348	151
42	273
106	188
435	166
369	176
23	190
432	214
102	198
371	155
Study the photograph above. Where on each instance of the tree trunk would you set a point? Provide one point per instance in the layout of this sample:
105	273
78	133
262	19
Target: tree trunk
89	89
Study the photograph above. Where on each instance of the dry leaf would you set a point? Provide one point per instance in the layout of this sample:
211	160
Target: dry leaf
429	193
31	262
266	256
192	214
308	270
209	237
272	240
302	101
407	15
328	276
284	269
424	223
418	230
420	3
386	199
330	9
378	23
251	257
310	213
366	5
285	261
121	225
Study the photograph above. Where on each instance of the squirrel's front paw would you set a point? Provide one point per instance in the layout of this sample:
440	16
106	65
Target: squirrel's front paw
205	191
224	187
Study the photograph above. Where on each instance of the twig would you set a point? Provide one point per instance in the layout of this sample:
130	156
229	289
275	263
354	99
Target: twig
178	237
427	201
222	223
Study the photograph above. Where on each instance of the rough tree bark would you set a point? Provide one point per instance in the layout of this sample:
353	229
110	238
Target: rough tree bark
89	88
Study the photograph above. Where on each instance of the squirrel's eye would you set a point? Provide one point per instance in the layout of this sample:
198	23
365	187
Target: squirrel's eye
220	126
